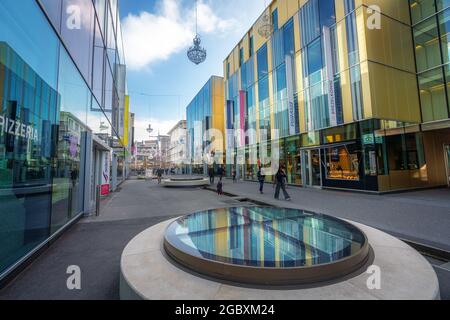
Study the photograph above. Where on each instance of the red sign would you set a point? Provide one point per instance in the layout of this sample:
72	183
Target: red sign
105	190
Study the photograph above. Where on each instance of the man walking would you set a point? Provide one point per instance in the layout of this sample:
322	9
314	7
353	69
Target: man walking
280	181
261	180
211	174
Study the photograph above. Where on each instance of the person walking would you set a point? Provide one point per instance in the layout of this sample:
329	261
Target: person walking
220	172
159	174
261	180
280	182
233	174
220	187
211	174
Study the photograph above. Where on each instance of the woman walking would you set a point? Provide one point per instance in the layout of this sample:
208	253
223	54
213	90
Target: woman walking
261	180
280	181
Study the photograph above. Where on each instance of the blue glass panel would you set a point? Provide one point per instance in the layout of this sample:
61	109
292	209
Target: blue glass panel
315	57
327	13
275	19
309	22
21	24
263	68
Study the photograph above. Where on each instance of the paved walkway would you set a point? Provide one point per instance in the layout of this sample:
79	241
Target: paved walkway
421	216
95	244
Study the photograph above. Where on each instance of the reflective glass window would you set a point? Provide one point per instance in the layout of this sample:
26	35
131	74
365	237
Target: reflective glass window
98	66
263	68
428	53
21	24
315	63
422	9
444	28
78	33
327	13
275	19
432	95
75	100
28	104
309	22
53	9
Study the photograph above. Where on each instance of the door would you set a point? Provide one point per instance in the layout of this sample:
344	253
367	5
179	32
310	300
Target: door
311	168
447	162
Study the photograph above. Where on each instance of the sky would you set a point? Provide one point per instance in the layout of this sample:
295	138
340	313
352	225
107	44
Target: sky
157	34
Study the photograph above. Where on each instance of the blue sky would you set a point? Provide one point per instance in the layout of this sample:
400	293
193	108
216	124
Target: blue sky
157	34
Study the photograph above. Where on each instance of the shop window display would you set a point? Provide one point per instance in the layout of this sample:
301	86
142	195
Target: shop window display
343	163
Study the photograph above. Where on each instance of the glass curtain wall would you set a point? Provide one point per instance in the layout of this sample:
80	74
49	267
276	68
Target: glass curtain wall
51	94
199	120
431	29
317	21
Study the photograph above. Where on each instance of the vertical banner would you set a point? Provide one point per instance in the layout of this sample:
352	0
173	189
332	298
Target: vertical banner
105	173
126	121
329	81
290	82
230	132
242	110
230	114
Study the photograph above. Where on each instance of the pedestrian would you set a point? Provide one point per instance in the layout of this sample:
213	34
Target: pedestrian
220	172
159	173
233	174
211	175
280	182
261	180
220	187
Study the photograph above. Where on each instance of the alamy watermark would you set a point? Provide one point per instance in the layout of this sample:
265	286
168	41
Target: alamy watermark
74	280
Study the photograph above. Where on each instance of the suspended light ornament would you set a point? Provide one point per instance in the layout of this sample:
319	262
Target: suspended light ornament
196	53
265	28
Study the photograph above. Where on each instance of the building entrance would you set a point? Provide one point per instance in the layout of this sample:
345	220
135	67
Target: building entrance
311	168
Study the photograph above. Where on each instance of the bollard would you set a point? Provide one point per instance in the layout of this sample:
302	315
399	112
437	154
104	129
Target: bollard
97	201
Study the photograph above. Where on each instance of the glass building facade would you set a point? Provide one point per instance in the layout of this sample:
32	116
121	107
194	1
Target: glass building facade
205	127
62	94
353	96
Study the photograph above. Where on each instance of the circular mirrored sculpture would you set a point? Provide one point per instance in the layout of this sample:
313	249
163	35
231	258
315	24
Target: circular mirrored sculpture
181	182
265	245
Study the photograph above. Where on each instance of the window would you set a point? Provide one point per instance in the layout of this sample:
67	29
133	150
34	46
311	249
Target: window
79	41
241	57
343	163
315	58
28	96
53	9
309	22
288	38
432	95
250	46
327	14
275	19
422	9
263	68
428	53
444	28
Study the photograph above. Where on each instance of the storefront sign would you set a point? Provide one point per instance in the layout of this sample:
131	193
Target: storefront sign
368	139
17	128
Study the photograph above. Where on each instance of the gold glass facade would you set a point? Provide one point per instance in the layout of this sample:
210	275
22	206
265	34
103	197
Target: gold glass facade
348	86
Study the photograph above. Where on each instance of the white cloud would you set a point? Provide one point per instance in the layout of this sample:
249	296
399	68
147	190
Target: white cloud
153	37
158	125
